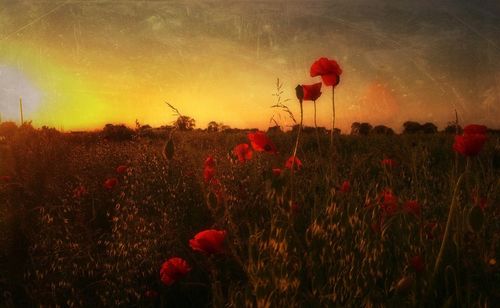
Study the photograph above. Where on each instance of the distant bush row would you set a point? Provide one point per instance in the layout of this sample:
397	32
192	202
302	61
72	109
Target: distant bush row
122	132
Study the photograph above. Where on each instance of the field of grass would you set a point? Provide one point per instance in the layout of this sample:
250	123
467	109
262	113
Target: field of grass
301	239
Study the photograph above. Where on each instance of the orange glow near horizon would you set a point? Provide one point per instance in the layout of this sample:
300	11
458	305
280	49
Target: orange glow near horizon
85	64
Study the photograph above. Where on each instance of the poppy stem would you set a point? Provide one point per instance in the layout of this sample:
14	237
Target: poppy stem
317	131
298	134
333	117
292	193
454	202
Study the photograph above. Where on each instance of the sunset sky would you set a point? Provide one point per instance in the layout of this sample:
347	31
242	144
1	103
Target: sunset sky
81	64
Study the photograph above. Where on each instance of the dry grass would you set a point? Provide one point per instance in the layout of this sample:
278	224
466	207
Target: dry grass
335	248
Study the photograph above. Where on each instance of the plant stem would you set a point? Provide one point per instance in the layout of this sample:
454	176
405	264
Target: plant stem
453	205
298	134
292	193
317	131
333	117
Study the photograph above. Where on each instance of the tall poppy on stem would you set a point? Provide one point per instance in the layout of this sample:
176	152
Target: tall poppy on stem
330	72
312	93
299	91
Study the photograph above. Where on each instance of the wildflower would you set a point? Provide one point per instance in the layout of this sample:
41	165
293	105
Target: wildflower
79	192
261	143
412	207
469	145
122	169
388	202
110	183
390	163
209	162
311	92
208	174
473	129
209	241
173	269
293	161
329	70
492	262
243	152
209	169
472	140
417	263
5	178
345	187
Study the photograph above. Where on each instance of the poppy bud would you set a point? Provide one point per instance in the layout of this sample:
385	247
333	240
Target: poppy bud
299	91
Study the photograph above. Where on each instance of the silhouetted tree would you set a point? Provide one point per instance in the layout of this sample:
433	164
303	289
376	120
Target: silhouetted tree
452	128
355	128
411	127
212	127
429	128
274	129
117	132
365	128
185	123
382	130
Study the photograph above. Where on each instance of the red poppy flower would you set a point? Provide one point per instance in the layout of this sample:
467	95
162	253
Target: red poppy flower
412	207
277	171
121	169
469	145
345	187
473	129
208	174
311	92
209	241
79	192
110	183
209	162
5	178
243	152
261	143
173	269
295	161
388	202
391	163
417	263
329	70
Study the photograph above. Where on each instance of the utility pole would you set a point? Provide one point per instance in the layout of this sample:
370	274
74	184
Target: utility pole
21	109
